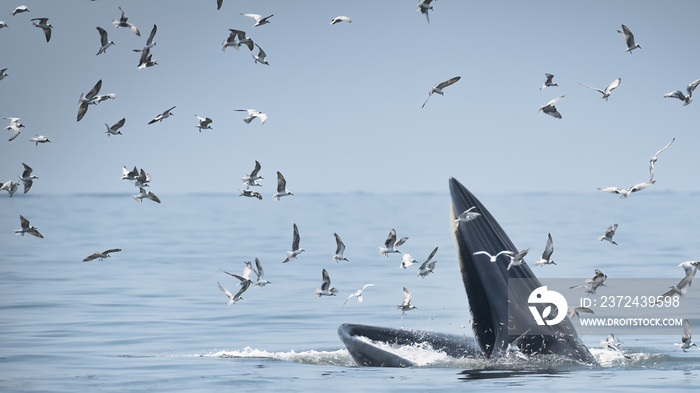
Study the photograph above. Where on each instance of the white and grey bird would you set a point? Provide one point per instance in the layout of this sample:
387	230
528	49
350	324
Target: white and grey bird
629	39
142	179
406	261
339	249
129	174
244	277
406	304
686	340
260	274
688	266
326	288
250	193
261	57
517	259
608	90
43	24
101	255
236	38
653	160
87	99
296	250
609	233
162	116
681	288
10	186
424	6
594	283
37	139
613	344
427	267
3	24
20	9
357	294
3	73
391	244
574	311
466	216
339	19
27	177
548	82
145	194
259	20
123	22
114	128
253	179
234	298
281	188
14	126
203	124
550	109
546	258
437	89
625	192
252	114
687	99
26	228
104	41
493	258
146	59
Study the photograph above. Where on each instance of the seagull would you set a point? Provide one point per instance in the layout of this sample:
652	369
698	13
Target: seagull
685	340
339	19
162	116
27	177
326	289
357	294
104	41
517	259
261	57
252	114
339	250
593	283
548	82
101	255
281	187
629	39
253	179
3	73
295	246
614	344
259	20
26	228
142	179
10	186
687	99
391	243
467	216
550	109
245	276
653	160
14	126
406	261
237	38
688	266
20	9
3	24
492	258
680	288
44	25
146	60
547	254
250	193
122	22
406	304
86	99
39	139
145	194
427	266
260	282
609	233
606	93
203	123
129	175
114	129
424	6
237	297
624	193
574	311
438	88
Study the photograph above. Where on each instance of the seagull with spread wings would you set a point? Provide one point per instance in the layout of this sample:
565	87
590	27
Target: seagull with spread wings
437	89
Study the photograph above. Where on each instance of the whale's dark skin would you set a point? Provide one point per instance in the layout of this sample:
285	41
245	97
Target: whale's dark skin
486	285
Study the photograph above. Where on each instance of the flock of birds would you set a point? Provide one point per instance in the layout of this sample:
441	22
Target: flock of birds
238	38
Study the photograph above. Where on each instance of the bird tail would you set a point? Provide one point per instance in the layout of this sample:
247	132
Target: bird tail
317	293
383	252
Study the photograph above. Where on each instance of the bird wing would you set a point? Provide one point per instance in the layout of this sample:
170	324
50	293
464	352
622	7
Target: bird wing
627	35
119	124
641	186
112	250
554	101
400	241
675	94
95	89
390	239
691	87
687	279
149	41
261	54
686	331
281	182
92	256
664	148
613	190
340	246
103	36
150	195
262	117
254	16
259	272
549	248
256	169
591	87
295	238
612	86
482	253
225	291
24	222
406	297
326	283
27	170
448	82
432	254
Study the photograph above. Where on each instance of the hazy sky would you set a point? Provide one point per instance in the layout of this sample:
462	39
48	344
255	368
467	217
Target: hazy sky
344	101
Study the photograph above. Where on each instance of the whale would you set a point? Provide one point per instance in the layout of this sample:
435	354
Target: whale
498	321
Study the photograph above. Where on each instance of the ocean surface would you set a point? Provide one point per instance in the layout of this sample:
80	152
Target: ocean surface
152	318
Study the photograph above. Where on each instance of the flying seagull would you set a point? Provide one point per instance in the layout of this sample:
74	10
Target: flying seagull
237	38
203	123
493	258
253	179
114	129
467	216
146	59
339	19
27	177
686	342
162	116
427	266
593	283
101	255
574	311
550	109
438	88
608	90
406	261
237	296
259	20
391	243
252	114
653	160
20	9
609	233
44	25
261	57
26	228
3	73
122	22
295	246
339	249
547	254
326	288
424	6
14	126
146	194
281	187
260	282
687	99
251	194
624	193
10	186
357	294
3	24
548	82
517	259
104	41
39	139
629	39
406	304
679	289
